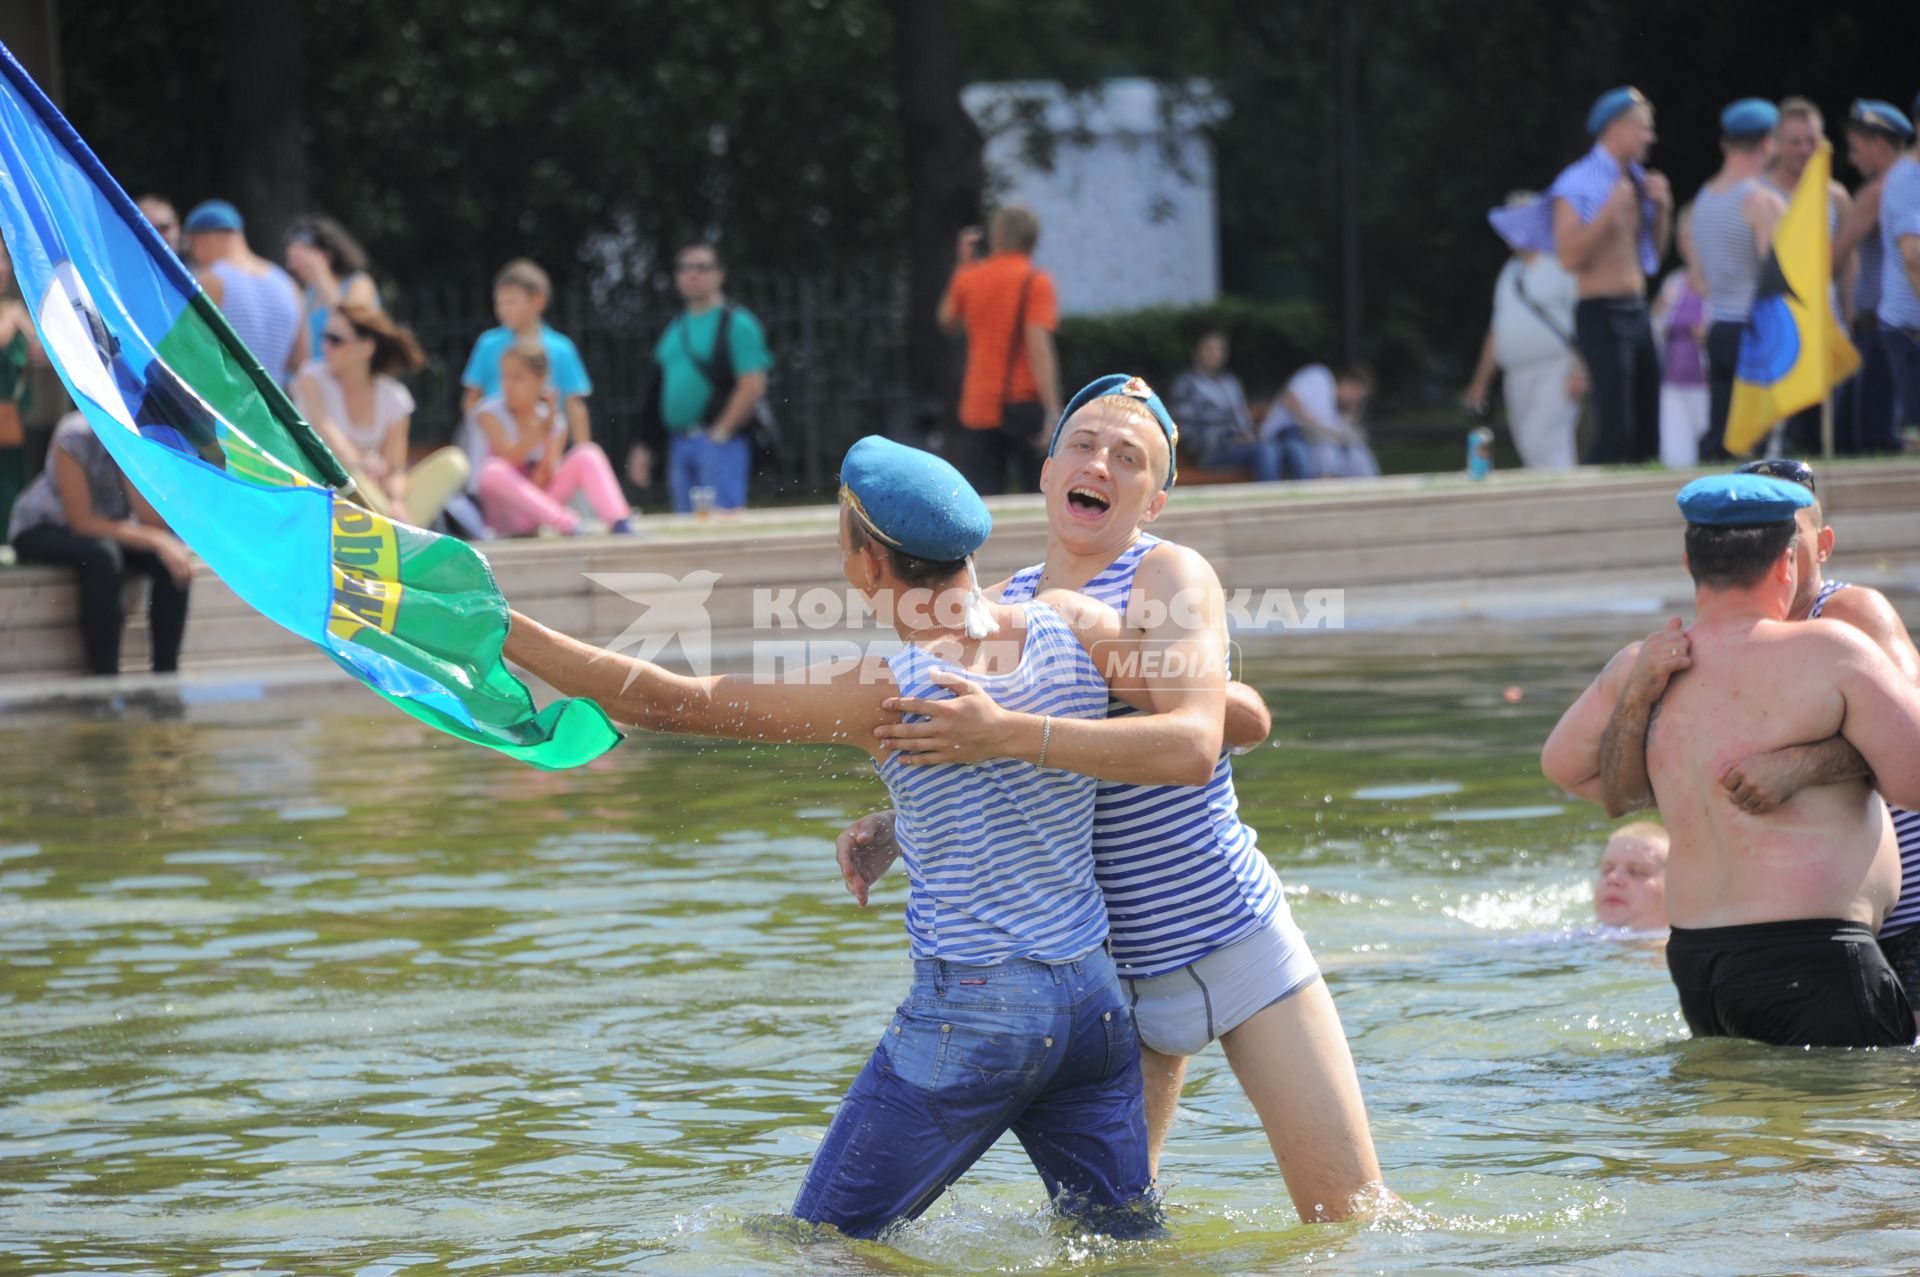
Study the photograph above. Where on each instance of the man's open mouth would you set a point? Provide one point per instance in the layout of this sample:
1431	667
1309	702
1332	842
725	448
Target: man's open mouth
1088	500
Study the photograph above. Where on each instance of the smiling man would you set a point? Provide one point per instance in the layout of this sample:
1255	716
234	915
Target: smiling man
1200	929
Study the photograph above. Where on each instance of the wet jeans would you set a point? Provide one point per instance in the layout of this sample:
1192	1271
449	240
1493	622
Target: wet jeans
1047	1051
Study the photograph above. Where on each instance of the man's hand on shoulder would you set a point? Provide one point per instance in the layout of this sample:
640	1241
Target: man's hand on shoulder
1661	655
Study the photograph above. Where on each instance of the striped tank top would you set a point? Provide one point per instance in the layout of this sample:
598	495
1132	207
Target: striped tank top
1866	282
1182	875
1729	256
264	311
1905	914
999	854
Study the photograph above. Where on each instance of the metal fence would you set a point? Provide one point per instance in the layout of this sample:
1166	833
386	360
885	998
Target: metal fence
838	341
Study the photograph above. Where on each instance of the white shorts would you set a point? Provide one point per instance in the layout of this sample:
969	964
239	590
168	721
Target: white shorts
1180	1012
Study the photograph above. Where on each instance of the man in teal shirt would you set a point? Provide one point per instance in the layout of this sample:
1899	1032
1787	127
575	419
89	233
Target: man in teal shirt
708	393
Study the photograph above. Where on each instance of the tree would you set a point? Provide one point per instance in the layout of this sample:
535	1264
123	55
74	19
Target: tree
945	176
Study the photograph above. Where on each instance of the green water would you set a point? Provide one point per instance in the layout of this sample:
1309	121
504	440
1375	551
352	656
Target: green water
292	985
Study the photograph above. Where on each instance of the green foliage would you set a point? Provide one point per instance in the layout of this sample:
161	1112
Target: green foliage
1269	340
452	134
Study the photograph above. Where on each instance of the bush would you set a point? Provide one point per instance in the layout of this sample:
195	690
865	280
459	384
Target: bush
1270	341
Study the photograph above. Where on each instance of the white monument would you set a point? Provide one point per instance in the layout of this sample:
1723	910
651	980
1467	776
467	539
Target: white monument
1122	177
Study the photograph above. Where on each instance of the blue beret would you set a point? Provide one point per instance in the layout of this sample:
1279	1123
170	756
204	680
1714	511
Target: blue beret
1740	500
1126	386
1609	105
1881	117
1749	117
213	215
913	501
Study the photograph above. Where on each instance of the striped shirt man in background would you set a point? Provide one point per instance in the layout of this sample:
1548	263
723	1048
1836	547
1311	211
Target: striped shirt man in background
1876	134
1733	220
258	298
1611	219
1899	308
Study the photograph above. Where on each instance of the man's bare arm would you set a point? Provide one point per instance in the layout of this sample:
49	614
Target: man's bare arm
1882	717
1249	722
1760	783
820	707
1624	784
1571	756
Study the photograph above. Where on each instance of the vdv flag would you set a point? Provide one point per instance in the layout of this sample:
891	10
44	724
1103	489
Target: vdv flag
214	444
1792	352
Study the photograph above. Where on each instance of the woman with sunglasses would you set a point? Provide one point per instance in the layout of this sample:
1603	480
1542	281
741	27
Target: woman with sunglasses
353	397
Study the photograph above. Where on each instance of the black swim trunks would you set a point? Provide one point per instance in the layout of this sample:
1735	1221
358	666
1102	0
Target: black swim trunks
1903	955
1808	982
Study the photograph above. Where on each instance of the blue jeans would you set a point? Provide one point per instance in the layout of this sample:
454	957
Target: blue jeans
696	461
1903	364
1048	1052
1269	459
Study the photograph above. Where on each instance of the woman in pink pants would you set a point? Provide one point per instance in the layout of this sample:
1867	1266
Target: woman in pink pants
524	480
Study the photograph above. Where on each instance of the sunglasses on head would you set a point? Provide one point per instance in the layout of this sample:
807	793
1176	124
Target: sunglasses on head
1782	468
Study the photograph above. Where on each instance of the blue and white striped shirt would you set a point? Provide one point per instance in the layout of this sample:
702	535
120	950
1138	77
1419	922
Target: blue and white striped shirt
1905	914
999	854
1729	254
1899	216
265	313
1182	876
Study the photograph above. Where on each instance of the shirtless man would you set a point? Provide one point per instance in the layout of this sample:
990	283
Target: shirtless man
1611	217
1764	781
1773	914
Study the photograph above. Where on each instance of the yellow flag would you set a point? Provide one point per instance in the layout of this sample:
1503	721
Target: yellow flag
1793	352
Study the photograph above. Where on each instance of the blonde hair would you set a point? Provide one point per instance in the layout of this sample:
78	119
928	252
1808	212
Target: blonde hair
1799	108
1016	227
524	273
1646	831
531	352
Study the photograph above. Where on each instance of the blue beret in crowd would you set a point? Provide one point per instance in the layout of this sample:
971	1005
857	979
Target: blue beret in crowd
1610	105
1882	117
913	501
1741	500
1749	117
213	215
1126	386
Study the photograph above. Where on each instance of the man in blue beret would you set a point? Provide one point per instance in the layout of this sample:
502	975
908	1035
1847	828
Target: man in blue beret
1898	310
1762	782
1877	132
1774	912
258	298
1016	1020
1611	220
1733	220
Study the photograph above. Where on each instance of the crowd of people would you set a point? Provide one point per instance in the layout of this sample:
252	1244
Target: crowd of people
1571	319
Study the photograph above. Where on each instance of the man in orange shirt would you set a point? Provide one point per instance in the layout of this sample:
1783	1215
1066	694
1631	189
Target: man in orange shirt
1011	391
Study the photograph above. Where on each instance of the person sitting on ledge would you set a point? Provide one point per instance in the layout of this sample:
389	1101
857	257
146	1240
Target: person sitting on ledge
83	512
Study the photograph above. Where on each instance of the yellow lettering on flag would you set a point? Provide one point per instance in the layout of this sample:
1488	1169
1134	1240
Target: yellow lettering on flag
1793	352
366	572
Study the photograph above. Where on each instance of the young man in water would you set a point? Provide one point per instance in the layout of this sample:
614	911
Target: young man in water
1773	914
1016	1020
1763	782
1201	931
1630	889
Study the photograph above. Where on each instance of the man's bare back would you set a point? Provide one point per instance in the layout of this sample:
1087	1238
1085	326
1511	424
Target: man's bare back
1829	852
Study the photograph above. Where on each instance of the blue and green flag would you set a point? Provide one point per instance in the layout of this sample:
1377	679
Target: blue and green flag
215	445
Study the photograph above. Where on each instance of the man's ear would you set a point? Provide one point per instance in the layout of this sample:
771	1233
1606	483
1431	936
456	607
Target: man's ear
1824	546
1155	506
